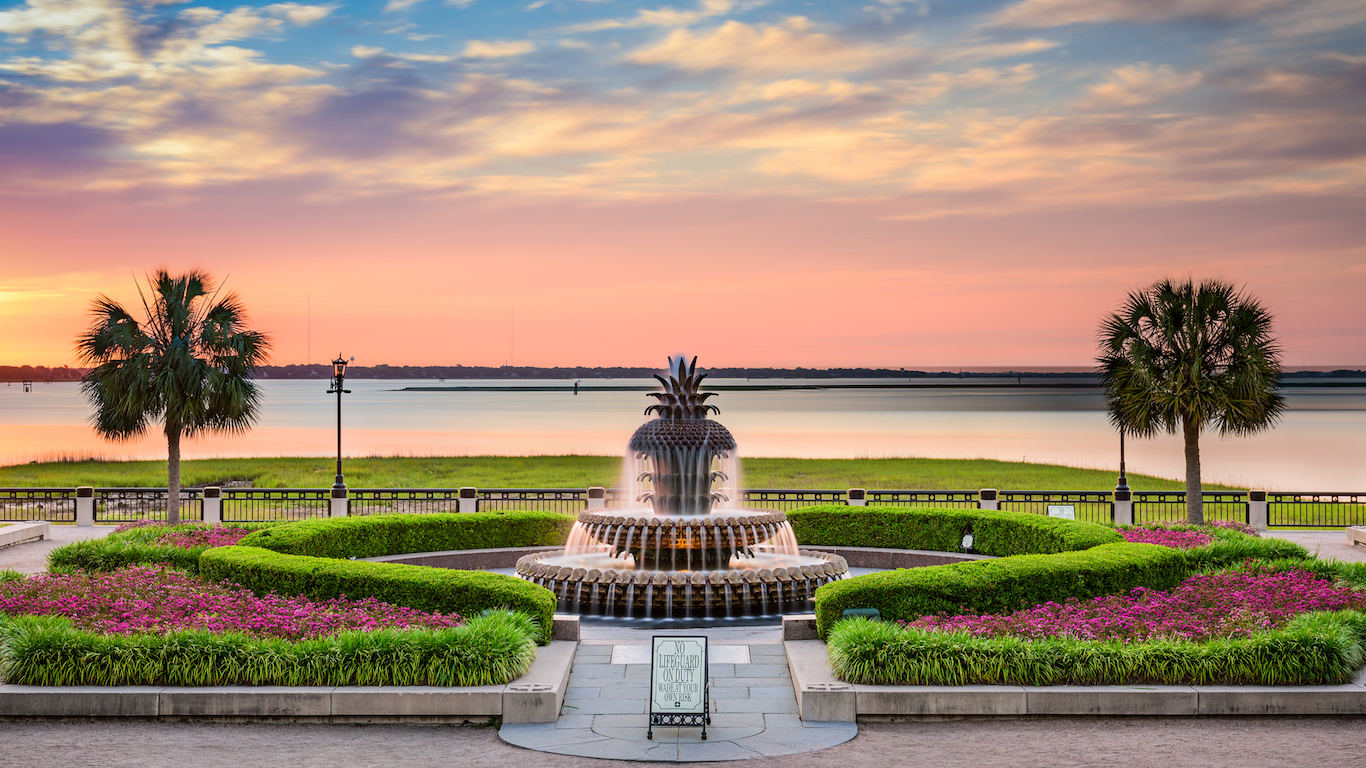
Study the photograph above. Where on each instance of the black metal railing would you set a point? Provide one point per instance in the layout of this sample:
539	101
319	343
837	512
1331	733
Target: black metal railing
1315	510
1170	506
957	499
567	500
264	505
405	501
784	500
123	505
114	505
57	505
1092	506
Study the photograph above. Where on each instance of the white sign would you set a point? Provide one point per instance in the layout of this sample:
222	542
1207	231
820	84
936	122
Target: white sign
1065	511
678	676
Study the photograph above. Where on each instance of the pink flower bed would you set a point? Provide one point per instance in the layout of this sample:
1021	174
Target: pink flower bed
153	600
1167	538
1224	604
215	536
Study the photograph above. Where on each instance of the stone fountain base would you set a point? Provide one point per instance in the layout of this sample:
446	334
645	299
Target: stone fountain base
769	584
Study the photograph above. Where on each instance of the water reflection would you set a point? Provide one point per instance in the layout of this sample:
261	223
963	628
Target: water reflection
1319	445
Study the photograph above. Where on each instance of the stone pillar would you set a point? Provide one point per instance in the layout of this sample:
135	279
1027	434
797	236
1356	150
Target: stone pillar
597	497
469	500
85	505
213	505
1123	508
857	497
1257	510
986	499
341	504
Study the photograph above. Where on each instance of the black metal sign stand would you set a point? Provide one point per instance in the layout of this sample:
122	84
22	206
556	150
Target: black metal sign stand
680	719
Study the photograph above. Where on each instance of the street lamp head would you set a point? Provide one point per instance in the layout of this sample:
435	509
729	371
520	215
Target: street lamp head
339	367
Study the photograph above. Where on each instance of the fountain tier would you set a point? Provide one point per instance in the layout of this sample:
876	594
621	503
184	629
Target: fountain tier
692	554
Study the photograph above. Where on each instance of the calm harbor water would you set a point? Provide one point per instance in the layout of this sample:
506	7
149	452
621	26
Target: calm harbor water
1320	444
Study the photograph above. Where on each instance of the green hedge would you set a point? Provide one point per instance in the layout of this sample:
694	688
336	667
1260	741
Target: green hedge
486	650
379	535
467	593
133	547
1003	584
941	530
1312	649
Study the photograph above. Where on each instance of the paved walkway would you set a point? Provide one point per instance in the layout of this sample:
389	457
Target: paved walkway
32	557
754	711
1324	544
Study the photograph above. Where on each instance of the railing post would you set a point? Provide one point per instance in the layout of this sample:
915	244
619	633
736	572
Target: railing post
986	499
469	500
340	503
1257	510
597	497
1123	508
213	505
85	505
857	497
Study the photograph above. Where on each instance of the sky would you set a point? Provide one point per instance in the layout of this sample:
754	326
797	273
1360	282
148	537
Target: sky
889	183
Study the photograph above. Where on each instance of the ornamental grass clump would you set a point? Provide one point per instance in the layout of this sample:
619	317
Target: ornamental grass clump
157	600
1227	604
486	650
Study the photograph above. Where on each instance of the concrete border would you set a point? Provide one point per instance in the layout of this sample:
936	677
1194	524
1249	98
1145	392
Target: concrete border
1356	537
821	695
464	559
20	533
535	697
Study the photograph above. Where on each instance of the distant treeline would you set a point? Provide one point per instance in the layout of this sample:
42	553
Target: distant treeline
437	372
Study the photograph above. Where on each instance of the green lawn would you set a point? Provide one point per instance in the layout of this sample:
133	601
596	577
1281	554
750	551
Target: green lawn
575	472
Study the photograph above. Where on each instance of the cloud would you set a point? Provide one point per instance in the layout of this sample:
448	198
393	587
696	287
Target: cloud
1058	13
790	46
658	17
1140	84
480	49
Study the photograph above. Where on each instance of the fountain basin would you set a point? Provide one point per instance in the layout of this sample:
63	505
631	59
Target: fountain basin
765	584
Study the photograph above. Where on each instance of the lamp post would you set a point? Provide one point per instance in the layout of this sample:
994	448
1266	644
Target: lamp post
338	378
1123	479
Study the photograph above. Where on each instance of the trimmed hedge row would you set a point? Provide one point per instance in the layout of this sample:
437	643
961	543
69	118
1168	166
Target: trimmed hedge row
134	547
1003	584
467	593
485	650
1312	649
941	530
379	535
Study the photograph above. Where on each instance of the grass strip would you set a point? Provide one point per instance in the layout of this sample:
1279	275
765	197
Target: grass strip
574	472
487	650
1313	649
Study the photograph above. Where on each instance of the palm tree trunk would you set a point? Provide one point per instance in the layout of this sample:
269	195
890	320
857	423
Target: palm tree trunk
172	475
1195	503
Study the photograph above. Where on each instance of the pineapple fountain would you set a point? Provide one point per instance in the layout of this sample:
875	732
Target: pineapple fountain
693	553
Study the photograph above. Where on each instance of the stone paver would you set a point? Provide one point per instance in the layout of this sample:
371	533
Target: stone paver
31	557
754	709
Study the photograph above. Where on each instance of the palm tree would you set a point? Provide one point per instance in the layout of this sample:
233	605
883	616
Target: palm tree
187	364
1183	356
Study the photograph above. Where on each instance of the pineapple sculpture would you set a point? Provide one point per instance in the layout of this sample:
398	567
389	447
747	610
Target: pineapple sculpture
681	445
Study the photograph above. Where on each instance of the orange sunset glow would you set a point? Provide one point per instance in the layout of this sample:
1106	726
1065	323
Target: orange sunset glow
763	184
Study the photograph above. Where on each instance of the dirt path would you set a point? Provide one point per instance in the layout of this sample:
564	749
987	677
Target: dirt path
1158	742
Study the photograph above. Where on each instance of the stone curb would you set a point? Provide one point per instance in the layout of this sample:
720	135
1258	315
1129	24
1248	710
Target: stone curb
535	697
20	533
821	696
